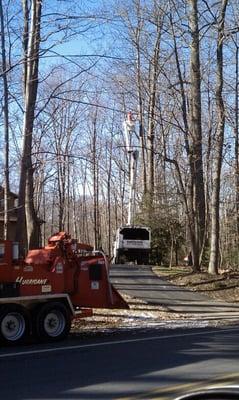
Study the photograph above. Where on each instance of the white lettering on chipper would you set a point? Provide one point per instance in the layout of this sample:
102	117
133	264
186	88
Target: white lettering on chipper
23	281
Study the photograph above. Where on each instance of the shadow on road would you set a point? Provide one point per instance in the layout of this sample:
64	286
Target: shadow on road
121	369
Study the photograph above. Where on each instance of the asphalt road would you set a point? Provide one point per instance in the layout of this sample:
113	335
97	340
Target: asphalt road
142	365
141	282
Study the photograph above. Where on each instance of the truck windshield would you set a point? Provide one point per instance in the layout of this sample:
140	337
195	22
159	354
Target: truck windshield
135	234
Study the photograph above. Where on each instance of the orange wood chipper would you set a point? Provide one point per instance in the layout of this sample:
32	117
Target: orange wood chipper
41	294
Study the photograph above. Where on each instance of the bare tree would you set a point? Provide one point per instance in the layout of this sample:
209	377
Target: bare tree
154	70
96	189
193	191
31	43
196	133
236	132
218	146
138	34
6	124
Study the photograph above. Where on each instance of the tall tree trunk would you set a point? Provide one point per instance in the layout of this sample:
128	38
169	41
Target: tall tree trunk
236	132
153	85
75	214
85	224
95	183
196	134
6	126
194	199
31	45
68	196
109	206
140	93
218	148
208	161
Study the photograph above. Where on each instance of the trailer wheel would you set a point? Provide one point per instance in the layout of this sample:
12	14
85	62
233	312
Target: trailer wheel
14	324
53	322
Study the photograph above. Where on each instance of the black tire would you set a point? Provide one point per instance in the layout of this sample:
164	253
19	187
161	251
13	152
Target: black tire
52	322
15	324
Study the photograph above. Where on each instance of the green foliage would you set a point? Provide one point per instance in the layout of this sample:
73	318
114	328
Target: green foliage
160	245
166	231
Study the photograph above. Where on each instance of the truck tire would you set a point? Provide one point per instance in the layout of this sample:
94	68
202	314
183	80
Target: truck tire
122	259
14	324
144	261
52	322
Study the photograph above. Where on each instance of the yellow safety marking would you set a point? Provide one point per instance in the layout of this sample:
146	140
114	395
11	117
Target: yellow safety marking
176	390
